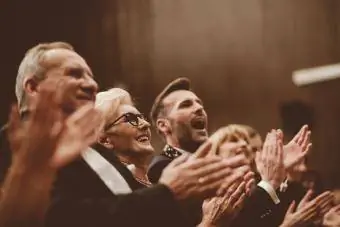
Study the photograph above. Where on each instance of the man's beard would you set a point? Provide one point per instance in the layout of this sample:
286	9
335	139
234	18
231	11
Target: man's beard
185	137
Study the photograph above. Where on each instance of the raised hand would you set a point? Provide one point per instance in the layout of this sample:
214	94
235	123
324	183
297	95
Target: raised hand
79	131
297	148
202	176
47	138
35	138
269	161
223	209
308	210
332	217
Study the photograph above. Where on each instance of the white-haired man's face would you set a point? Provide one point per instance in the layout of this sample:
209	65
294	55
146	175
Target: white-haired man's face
75	75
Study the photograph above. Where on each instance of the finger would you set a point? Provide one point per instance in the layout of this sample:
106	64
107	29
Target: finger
64	155
93	125
324	196
82	113
211	172
299	134
180	160
203	163
306	140
302	135
336	208
325	208
203	150
237	193
307	197
326	202
280	151
309	146
46	108
279	134
236	161
228	181
291	207
249	176
240	201
249	186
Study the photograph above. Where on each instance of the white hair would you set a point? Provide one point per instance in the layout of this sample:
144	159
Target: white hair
108	102
33	65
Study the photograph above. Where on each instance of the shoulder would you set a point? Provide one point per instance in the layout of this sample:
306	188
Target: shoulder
158	163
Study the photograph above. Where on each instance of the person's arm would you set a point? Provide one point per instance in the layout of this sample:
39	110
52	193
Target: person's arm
25	196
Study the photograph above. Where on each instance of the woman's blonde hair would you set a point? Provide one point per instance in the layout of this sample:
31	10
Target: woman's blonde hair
226	133
108	102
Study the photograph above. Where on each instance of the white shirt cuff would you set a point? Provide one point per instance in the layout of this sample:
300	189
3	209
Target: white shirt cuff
270	190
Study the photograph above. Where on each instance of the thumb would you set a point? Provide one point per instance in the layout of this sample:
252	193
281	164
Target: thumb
291	207
203	150
307	197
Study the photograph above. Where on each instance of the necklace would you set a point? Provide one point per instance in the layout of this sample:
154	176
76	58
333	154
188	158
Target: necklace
146	183
143	182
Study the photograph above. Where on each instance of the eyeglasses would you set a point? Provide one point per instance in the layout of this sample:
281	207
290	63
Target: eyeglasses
130	118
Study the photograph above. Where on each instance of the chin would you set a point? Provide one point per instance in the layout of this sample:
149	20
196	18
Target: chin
200	138
145	149
82	102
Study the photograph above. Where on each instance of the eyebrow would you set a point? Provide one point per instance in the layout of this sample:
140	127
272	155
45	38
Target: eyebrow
79	67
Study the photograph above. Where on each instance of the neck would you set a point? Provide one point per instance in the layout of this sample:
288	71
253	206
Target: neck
140	165
188	146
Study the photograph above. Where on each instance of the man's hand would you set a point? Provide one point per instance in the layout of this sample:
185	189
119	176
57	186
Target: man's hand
297	149
270	160
79	131
220	211
200	175
307	210
46	138
332	217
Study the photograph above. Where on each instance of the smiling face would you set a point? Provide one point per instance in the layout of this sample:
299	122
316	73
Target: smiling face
233	145
186	120
68	65
129	136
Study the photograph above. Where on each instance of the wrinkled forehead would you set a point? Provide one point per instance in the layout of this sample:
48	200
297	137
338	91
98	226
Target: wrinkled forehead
179	96
65	58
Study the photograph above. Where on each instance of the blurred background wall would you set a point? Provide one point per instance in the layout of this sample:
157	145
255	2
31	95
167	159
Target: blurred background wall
239	55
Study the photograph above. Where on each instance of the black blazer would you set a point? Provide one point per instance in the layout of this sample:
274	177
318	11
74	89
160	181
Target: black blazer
159	162
80	199
260	210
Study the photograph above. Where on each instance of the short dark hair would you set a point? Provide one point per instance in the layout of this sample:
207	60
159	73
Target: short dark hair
178	84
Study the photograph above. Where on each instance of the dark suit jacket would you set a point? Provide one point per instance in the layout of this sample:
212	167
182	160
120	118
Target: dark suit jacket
260	210
159	162
80	198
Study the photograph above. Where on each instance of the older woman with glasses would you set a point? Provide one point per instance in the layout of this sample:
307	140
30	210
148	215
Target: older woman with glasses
126	132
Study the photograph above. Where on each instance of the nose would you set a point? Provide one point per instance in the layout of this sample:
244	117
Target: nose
89	85
198	109
143	124
243	143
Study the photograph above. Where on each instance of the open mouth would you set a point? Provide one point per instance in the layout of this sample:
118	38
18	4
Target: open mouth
198	123
87	97
145	138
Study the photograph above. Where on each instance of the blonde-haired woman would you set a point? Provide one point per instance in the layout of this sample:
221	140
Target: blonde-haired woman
126	132
227	142
231	140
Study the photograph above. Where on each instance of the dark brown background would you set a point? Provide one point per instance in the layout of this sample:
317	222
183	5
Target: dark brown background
239	55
